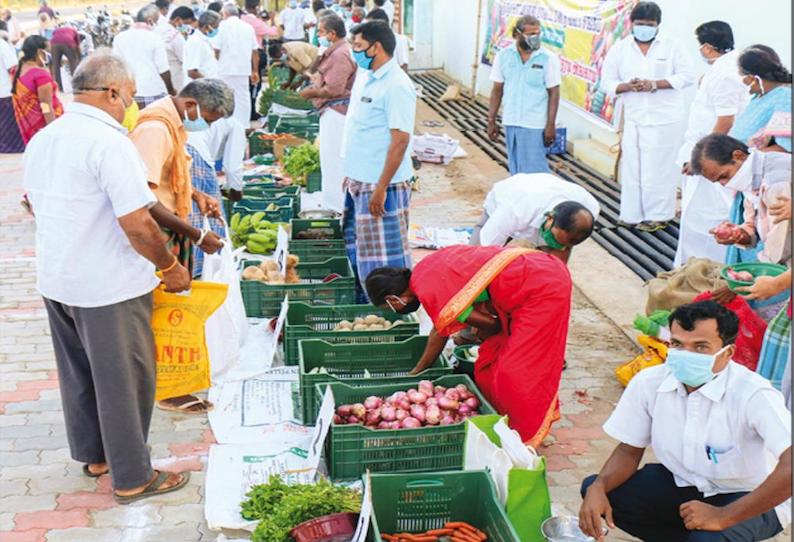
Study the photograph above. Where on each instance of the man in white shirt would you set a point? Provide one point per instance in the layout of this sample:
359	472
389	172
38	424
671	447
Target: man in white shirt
144	51
98	248
388	7
238	60
294	22
721	435
526	78
10	138
720	97
200	58
180	22
648	72
401	51
539	208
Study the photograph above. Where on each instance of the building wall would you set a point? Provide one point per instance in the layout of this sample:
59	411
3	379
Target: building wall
452	26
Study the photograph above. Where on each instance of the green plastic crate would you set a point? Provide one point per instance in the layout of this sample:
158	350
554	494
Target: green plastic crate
310	250
352	449
309	322
284	213
264	300
386	363
417	503
464	360
291	99
262	200
257	145
314	182
302	229
319	250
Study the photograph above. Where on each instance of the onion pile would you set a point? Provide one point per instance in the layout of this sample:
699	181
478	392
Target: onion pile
418	407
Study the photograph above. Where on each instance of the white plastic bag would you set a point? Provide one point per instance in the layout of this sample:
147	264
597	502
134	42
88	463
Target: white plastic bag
226	329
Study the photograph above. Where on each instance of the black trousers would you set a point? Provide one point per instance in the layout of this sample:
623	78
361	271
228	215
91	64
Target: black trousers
647	505
72	54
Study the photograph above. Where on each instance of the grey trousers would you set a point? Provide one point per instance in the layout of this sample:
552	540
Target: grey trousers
106	369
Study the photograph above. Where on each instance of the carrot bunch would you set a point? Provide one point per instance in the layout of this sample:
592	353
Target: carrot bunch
454	531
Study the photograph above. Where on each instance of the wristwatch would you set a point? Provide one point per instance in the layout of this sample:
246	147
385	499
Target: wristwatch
654	87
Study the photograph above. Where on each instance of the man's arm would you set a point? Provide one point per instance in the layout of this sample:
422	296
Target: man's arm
394	157
620	466
254	67
171	221
550	133
494	104
723	124
169	85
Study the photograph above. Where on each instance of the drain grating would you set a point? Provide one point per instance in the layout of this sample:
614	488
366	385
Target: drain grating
646	254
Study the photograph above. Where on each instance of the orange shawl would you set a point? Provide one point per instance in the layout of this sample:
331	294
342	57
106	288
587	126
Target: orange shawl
180	161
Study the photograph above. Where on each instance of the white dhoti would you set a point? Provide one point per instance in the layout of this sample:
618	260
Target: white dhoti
332	126
648	172
242	98
704	205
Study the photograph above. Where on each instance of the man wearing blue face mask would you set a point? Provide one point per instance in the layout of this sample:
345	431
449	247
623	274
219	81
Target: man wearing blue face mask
377	155
526	78
647	71
721	435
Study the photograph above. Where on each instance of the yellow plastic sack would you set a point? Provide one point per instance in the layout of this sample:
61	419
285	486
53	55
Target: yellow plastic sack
654	353
183	365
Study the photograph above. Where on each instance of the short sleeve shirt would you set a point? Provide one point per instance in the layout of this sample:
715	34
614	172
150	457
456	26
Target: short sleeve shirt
236	40
199	55
145	53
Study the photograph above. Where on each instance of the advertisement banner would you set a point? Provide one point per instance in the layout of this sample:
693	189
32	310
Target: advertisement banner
580	32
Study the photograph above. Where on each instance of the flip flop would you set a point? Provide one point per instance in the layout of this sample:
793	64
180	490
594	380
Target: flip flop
185	408
90	474
151	489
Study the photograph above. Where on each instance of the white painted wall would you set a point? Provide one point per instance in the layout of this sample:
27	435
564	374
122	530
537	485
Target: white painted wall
453	26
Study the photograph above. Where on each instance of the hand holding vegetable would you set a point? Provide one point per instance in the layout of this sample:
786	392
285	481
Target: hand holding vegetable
765	287
729	234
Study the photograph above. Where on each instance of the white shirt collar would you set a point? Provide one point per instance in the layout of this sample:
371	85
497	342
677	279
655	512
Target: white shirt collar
95	113
713	390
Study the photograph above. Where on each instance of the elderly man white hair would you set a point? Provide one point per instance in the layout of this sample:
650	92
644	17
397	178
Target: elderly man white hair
238	59
84	167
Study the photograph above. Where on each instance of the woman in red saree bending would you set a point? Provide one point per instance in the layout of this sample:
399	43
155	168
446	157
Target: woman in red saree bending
519	300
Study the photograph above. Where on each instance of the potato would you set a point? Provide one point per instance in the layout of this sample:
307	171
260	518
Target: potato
344	325
382	320
274	277
292	260
268	265
386	325
358	321
375	327
370	319
253	273
360	327
291	276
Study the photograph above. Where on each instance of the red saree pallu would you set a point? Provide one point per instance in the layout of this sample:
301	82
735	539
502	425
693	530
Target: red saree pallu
518	370
27	110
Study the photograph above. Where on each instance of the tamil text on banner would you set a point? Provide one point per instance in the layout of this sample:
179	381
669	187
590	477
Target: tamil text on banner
579	31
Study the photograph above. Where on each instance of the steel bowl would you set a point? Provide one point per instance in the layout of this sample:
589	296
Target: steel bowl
564	529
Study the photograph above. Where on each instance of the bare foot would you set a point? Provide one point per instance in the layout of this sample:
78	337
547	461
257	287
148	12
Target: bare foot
98	469
173	479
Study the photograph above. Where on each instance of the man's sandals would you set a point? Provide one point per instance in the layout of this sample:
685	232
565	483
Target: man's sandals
195	405
153	487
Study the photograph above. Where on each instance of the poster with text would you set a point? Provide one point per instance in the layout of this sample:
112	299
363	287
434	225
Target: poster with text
580	32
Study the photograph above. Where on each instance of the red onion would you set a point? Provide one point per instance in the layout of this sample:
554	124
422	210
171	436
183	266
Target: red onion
372	402
426	387
345	410
418	412
359	411
432	415
447	420
410	423
383	425
431	401
438	395
373	417
353	420
400	414
464	409
462	388
417	397
388	413
441	389
473	403
403	403
453	394
398	396
393	425
448	404
338	420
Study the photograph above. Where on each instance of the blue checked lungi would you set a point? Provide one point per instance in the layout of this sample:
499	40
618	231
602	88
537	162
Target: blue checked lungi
526	152
203	178
376	242
775	351
143	101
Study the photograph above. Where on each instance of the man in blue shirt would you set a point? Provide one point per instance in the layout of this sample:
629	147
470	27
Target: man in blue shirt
377	157
527	79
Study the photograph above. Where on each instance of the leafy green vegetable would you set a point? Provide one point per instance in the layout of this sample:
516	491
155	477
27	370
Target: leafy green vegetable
300	161
281	507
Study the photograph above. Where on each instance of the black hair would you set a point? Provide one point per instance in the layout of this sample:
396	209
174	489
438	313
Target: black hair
377	14
360	3
716	147
764	62
379	3
334	23
184	13
386	281
30	49
162	4
274	49
215	6
718	34
526	20
565	215
251	4
318	5
377	31
688	315
646	11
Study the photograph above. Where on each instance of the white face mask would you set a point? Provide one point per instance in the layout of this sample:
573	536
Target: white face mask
760	86
742	181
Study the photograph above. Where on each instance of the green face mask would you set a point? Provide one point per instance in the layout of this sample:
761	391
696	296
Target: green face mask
548	237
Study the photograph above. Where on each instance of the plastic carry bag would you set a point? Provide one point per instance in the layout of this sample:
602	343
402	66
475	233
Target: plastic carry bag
751	331
519	474
178	325
654	353
227	328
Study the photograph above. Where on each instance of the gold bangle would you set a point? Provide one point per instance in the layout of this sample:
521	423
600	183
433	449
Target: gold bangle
170	267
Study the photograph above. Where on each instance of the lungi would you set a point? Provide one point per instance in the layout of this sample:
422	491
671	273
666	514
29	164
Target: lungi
10	138
202	176
332	124
774	356
648	172
143	101
376	242
242	97
704	205
526	151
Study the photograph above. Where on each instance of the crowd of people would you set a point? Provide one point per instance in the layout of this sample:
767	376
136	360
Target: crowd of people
125	176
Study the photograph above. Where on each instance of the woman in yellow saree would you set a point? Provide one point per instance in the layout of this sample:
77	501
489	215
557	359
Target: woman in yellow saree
519	300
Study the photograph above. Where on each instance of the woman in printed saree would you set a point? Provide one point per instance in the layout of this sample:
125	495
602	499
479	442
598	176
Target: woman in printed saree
34	93
519	300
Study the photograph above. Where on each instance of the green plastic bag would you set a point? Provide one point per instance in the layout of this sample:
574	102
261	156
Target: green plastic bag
523	491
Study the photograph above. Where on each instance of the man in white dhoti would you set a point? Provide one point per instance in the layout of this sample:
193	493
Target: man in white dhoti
330	90
238	60
648	72
720	97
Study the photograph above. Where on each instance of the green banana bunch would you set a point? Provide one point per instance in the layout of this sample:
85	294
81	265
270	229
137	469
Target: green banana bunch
258	235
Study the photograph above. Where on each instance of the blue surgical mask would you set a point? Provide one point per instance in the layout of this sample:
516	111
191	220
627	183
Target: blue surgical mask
363	60
198	125
644	33
293	4
692	368
212	33
324	42
185	28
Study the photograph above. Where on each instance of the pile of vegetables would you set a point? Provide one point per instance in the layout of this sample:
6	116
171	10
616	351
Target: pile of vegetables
280	507
268	272
300	161
456	531
421	406
258	235
316	234
265	98
370	322
742	276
